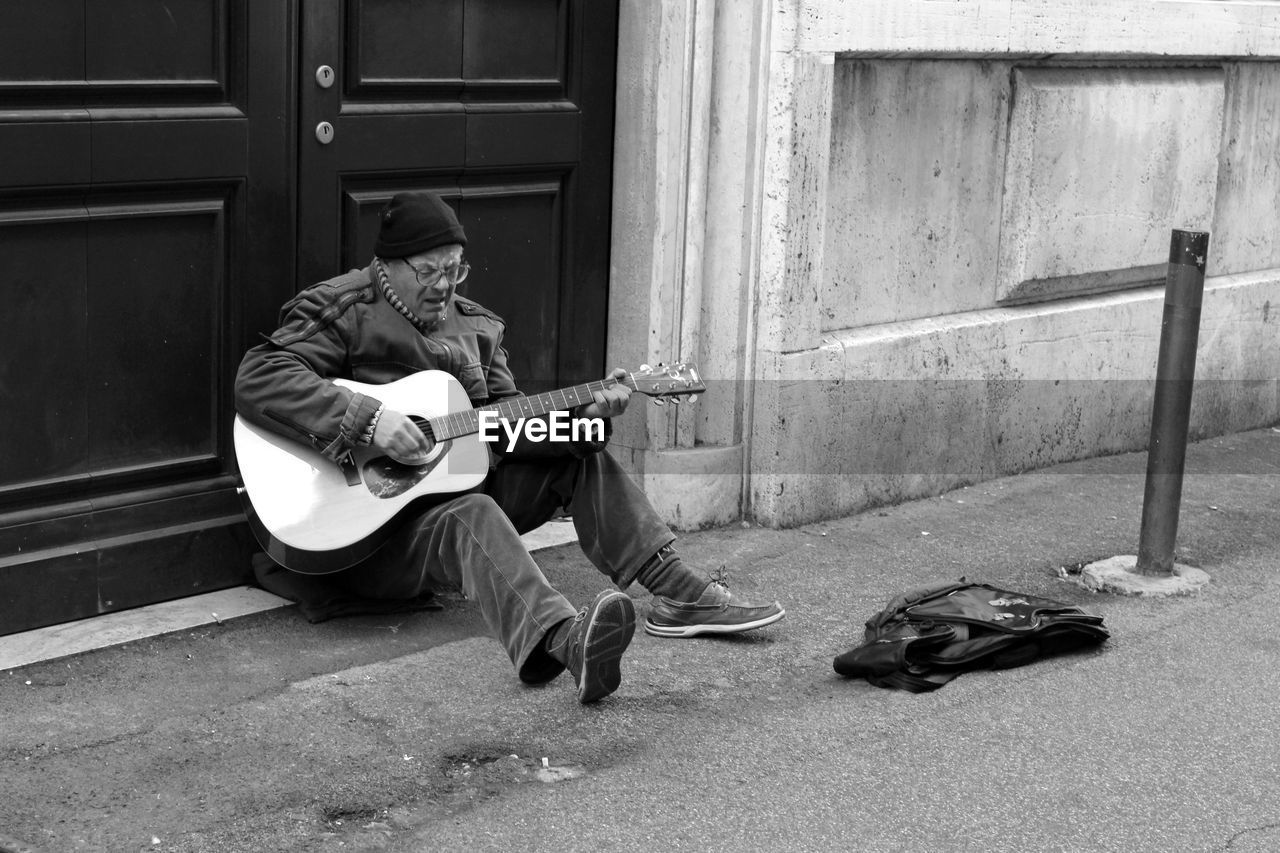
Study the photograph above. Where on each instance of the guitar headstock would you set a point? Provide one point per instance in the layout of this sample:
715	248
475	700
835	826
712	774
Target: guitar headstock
679	382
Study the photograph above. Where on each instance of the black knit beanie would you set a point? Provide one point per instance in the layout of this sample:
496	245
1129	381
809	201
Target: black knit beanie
416	222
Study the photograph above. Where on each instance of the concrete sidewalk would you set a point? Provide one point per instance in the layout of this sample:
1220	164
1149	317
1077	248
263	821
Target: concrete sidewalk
410	733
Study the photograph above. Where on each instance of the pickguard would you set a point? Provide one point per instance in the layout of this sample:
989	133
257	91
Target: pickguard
386	478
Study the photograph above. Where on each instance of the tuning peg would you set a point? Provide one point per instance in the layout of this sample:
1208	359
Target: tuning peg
676	399
693	398
645	367
658	401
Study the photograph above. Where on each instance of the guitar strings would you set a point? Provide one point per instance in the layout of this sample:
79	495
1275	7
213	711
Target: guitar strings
455	424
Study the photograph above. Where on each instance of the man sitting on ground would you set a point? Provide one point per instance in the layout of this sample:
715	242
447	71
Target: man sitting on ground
402	314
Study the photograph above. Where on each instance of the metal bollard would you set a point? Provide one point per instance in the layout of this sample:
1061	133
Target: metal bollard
1171	410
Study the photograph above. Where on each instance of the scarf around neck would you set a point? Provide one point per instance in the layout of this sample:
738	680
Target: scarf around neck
397	303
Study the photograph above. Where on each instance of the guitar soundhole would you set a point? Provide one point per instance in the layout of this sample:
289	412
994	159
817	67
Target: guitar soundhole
386	478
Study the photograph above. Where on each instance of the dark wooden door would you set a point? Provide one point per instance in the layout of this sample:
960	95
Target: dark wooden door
144	162
162	192
505	107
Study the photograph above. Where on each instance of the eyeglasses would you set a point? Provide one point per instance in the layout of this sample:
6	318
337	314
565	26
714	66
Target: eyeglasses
431	276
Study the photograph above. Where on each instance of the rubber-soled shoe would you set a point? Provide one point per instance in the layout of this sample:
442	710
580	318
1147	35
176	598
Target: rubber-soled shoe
599	636
717	611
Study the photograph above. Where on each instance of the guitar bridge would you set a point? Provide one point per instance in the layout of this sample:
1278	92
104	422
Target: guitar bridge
350	471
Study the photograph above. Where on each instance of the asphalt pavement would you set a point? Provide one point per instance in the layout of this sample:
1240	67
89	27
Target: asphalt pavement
411	733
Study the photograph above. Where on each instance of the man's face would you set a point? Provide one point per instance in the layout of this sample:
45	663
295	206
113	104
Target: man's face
426	281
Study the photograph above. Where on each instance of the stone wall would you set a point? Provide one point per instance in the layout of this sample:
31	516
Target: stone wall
922	244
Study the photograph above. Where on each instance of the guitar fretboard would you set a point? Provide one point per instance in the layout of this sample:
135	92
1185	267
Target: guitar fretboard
456	424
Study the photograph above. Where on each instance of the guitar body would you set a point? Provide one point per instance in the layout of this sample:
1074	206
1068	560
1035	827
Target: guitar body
315	516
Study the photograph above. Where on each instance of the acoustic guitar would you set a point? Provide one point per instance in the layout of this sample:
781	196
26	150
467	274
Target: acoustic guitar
316	516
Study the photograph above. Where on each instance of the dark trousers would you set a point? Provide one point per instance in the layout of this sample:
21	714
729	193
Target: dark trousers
472	542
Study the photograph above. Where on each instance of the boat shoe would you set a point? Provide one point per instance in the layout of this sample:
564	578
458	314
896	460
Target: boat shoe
717	611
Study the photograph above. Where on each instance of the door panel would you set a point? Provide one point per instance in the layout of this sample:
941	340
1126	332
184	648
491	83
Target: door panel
46	246
45	152
126	195
153	378
178	40
399	41
518	242
486	102
150	283
43	60
125	367
522	139
200	145
516	42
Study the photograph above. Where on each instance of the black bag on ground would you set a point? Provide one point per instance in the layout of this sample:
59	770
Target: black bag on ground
929	635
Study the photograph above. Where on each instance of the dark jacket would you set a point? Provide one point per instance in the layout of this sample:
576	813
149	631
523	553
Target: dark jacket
345	328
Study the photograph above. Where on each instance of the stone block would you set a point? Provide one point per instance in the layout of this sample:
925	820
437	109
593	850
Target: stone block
1102	165
1247	219
695	488
796	150
907	410
913	201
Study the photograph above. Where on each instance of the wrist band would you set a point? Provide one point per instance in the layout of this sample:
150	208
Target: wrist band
366	438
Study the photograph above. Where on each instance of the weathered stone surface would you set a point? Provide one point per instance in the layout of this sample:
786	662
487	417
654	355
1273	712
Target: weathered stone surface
1247	218
1118	575
913	202
695	487
830	249
905	410
792	212
1102	163
1133	28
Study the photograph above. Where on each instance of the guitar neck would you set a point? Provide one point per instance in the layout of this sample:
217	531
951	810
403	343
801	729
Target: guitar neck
457	424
